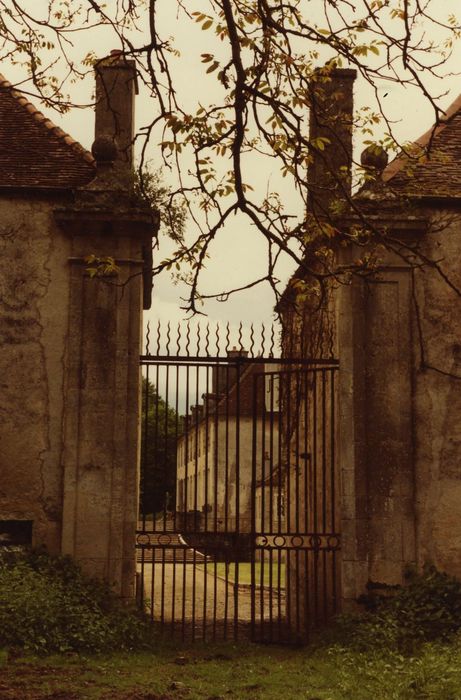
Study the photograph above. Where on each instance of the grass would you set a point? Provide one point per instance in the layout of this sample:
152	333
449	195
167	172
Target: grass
238	672
244	572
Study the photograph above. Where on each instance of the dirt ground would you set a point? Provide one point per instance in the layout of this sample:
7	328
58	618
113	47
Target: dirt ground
22	681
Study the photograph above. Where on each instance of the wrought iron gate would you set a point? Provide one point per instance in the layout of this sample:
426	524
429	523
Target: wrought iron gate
238	530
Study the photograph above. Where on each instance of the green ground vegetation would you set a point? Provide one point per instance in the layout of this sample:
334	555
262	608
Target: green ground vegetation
242	573
406	645
47	605
243	672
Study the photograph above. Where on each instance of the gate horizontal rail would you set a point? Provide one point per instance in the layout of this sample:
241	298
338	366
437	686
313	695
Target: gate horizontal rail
193	360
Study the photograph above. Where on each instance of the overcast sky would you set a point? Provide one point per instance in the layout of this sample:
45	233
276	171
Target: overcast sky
240	254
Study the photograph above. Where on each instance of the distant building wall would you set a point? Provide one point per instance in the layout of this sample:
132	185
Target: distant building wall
218	493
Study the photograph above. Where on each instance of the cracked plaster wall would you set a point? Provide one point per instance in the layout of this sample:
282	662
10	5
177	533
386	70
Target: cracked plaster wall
34	291
399	345
437	401
400	416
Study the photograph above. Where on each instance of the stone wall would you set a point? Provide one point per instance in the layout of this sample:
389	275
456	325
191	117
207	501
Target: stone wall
398	339
437	399
69	406
34	297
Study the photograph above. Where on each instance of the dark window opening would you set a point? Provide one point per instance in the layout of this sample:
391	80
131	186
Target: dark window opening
15	533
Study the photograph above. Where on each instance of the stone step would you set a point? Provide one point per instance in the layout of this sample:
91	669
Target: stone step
176	555
168	547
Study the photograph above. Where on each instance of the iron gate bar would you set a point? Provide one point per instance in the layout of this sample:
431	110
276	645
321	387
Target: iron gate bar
315	505
253	510
237	492
296	523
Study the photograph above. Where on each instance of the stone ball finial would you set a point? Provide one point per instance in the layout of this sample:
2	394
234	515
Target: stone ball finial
374	156
104	149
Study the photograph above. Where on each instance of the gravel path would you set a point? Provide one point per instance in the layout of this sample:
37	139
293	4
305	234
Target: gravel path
188	592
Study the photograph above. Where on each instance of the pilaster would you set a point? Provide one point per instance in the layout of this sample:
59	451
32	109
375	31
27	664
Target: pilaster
376	429
100	458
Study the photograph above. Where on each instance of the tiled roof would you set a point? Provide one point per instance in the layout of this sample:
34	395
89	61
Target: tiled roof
34	152
440	173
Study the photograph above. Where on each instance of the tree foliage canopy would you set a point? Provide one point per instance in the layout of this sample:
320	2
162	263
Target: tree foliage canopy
259	58
160	428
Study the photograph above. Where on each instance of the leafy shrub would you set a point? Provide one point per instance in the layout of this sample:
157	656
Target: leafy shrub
427	609
47	604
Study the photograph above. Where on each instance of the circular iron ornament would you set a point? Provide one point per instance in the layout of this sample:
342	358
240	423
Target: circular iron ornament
143	540
164	539
279	541
315	541
261	541
297	541
333	542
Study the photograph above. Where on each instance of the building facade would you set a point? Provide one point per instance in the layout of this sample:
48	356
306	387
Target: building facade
227	448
